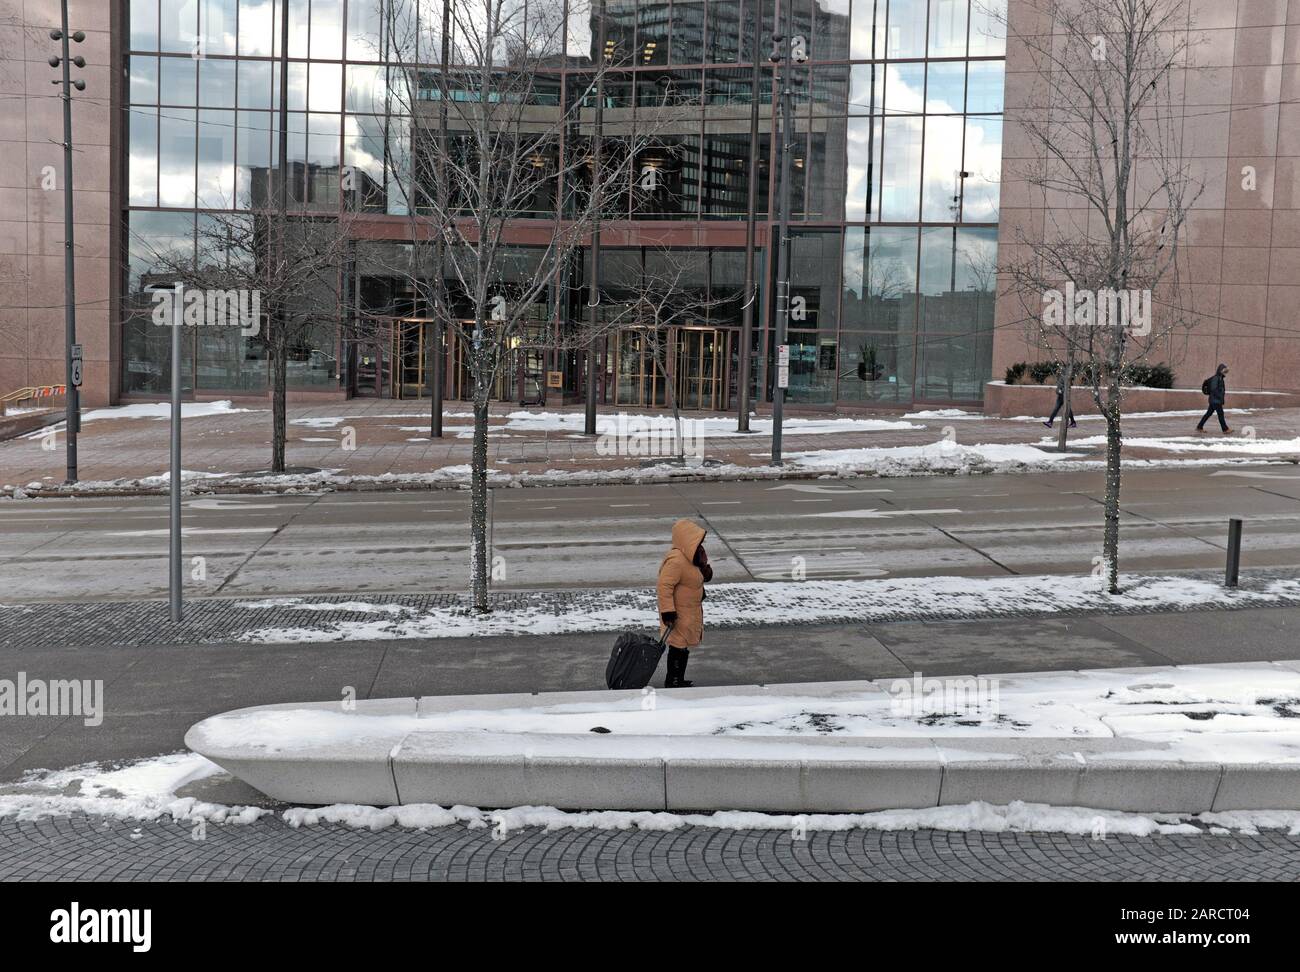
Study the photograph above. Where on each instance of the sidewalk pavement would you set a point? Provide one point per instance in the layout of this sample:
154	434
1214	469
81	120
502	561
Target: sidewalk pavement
567	613
155	689
383	437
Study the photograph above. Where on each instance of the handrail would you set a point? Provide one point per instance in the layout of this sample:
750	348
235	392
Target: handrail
33	392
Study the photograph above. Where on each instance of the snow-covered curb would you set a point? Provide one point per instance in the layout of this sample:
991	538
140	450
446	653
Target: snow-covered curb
779	602
146	790
832	464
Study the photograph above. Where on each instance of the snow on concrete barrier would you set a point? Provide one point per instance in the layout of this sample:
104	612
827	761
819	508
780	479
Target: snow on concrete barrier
1186	739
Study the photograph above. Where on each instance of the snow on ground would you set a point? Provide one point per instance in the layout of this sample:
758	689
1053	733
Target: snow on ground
1175	413
787	602
150	410
139	790
147	790
944	456
163	410
702	426
944	413
1209	442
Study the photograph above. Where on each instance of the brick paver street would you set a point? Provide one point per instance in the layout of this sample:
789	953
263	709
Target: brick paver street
93	849
225	620
391	437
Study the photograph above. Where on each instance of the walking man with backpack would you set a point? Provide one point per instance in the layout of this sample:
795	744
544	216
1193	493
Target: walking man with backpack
682	575
1217	389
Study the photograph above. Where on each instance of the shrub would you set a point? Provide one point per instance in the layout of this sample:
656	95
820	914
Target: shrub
1016	372
1042	371
1151	376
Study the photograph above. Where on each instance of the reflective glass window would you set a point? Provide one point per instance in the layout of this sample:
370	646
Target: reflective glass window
901	169
144	80
986	85
218	26
178	80
906	34
945	88
144	25
216	83
948	28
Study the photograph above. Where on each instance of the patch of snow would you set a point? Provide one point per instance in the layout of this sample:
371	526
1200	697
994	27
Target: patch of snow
1176	413
138	790
939	457
163	410
944	413
1210	442
806	602
707	426
146	790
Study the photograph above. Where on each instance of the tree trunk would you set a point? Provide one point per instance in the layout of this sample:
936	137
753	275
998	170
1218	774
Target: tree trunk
279	369
1068	416
478	498
1114	442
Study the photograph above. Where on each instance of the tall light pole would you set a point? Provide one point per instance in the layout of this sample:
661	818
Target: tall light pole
593	288
71	370
788	49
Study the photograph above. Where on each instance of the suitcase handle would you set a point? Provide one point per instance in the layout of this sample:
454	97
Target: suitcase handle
667	631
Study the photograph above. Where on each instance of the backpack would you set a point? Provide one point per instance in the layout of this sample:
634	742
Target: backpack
1205	386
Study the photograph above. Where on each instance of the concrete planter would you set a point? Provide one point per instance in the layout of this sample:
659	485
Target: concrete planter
392	761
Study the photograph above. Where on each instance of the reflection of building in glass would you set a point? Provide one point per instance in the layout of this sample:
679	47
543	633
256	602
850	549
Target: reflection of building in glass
897	155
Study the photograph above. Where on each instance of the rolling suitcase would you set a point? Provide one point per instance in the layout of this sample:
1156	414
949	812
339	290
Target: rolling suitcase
634	659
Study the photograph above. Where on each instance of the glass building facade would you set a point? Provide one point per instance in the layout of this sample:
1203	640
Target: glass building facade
896	163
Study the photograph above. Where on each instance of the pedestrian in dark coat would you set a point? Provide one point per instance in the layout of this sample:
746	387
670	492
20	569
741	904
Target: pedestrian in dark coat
680	588
1060	401
1217	389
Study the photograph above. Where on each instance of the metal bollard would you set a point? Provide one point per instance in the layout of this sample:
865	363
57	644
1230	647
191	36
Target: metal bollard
1234	553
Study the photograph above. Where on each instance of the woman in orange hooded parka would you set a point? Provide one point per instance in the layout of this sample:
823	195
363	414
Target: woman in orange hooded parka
682	574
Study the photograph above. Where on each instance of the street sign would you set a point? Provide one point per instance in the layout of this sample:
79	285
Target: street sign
783	376
76	354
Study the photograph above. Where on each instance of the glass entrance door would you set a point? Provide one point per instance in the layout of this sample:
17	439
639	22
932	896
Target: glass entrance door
700	367
639	379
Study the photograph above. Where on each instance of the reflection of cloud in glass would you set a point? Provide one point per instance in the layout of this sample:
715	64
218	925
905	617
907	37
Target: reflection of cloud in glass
984	162
256	27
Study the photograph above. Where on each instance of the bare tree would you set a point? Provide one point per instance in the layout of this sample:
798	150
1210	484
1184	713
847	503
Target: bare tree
288	267
502	142
1106	129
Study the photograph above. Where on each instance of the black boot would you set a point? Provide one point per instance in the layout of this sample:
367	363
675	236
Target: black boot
670	675
683	658
676	668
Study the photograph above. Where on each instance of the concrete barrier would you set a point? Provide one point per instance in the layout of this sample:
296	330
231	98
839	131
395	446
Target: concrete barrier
394	761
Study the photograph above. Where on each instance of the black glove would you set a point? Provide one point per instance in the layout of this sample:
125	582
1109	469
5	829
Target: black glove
669	617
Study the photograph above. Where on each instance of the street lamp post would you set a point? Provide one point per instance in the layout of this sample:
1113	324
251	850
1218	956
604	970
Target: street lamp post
788	49
71	371
593	285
